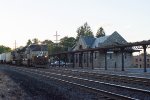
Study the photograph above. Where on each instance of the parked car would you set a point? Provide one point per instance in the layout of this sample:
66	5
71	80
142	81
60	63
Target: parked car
56	63
62	63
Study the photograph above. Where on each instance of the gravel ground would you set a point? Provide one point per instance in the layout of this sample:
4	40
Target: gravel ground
15	85
9	90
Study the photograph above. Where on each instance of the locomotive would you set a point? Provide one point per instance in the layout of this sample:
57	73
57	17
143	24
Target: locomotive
35	55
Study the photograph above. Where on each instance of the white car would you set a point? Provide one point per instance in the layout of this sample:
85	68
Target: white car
56	63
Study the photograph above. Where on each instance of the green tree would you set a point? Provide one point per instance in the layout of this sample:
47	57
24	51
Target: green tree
84	30
67	42
50	44
4	49
100	32
55	48
35	41
29	42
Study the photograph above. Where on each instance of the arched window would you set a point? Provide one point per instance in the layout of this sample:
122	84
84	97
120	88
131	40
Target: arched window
80	47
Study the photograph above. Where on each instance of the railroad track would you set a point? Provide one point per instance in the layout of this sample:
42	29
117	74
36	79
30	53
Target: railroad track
113	90
136	82
126	80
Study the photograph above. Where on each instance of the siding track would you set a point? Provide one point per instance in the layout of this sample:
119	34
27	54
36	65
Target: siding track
111	90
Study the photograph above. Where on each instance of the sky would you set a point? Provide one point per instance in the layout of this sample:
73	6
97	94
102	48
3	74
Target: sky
21	20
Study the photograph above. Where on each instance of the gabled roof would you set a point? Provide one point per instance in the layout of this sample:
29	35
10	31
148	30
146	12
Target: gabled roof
88	40
114	39
99	40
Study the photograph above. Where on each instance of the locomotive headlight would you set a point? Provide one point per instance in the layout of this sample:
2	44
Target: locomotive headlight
45	56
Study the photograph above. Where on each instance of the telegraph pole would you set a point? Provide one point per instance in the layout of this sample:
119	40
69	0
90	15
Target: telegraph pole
56	37
15	44
56	42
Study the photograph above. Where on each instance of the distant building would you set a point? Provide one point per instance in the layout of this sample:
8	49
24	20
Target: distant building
138	61
113	56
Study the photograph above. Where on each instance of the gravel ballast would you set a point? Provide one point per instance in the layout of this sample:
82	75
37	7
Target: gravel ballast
9	90
25	86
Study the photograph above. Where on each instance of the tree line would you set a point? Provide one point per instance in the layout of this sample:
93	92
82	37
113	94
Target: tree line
4	49
65	43
85	30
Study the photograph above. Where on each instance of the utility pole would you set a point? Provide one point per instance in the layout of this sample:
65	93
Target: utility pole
15	44
56	44
56	37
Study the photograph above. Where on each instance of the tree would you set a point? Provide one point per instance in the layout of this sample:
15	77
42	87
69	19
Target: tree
4	49
35	41
84	30
100	32
29	42
56	48
50	45
48	42
67	42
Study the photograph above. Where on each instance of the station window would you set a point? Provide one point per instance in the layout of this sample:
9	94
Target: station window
91	57
147	60
147	65
140	59
84	58
110	56
95	55
136	60
140	66
136	65
125	55
80	47
80	58
76	58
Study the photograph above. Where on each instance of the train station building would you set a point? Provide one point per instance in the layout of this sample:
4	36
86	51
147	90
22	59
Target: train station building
112	56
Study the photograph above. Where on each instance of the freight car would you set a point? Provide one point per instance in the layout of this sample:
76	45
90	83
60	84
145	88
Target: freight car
6	58
3	58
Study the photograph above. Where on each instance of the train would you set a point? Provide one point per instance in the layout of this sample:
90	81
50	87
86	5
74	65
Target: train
34	55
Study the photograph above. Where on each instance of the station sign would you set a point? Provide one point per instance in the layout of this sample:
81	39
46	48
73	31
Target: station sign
110	52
